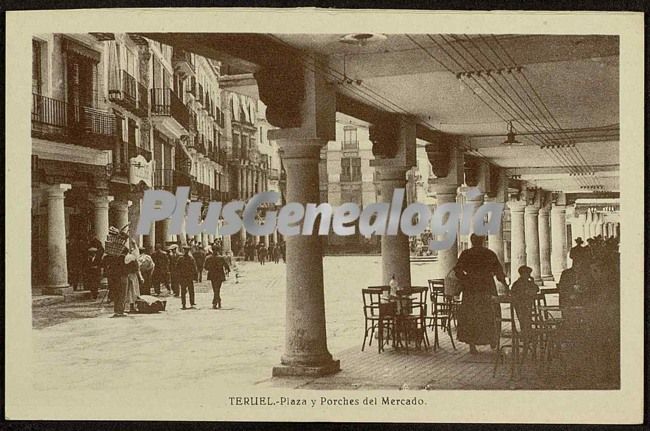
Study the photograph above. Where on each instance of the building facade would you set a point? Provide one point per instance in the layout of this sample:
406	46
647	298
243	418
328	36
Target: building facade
116	114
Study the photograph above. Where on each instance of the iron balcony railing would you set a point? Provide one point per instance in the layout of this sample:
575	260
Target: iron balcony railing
135	151
165	102
127	92
81	125
350	145
170	179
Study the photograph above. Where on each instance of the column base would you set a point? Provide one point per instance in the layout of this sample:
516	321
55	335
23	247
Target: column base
56	290
331	367
548	278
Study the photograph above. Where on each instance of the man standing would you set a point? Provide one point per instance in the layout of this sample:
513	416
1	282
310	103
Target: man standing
117	275
93	271
261	254
161	269
186	274
174	256
146	269
199	257
217	267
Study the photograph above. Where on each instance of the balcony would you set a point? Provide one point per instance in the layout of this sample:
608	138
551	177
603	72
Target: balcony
199	95
169	113
350	145
123	91
274	174
200	144
170	179
182	62
59	121
135	151
201	191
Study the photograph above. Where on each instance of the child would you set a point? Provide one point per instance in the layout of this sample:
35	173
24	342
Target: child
523	292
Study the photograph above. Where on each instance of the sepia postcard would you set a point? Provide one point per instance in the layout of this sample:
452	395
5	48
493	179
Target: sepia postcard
324	215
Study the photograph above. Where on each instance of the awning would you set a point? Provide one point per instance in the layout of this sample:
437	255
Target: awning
70	45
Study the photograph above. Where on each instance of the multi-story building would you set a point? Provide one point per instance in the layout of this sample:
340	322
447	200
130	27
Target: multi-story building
346	176
116	114
254	160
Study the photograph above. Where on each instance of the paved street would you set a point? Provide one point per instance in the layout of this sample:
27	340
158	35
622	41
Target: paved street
77	344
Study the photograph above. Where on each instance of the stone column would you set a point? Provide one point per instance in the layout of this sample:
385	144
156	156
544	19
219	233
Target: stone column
100	225
204	240
578	227
395	253
447	258
164	231
532	241
275	236
120	213
545	243
306	350
474	199
558	238
599	224
517	237
589	227
495	241
149	241
57	263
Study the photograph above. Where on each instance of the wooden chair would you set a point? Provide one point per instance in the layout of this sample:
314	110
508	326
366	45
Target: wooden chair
514	336
376	317
411	317
442	311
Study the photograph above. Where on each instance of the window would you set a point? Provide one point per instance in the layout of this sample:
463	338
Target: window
350	138
350	169
37	67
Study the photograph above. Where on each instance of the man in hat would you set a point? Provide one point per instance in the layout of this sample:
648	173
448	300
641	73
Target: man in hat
147	266
217	268
199	257
117	274
580	256
523	293
186	273
160	269
173	263
93	271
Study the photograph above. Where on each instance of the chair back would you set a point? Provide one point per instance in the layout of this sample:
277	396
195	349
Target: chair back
371	302
384	289
416	296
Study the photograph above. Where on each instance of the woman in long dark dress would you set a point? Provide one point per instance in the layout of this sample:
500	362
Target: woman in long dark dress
476	268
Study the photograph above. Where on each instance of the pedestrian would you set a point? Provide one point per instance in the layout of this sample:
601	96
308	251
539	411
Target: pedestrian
117	275
173	262
217	268
161	269
275	253
523	292
283	251
261	254
199	257
76	261
147	267
93	272
186	274
476	268
133	280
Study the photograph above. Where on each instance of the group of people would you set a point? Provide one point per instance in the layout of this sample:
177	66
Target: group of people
260	252
595	270
137	271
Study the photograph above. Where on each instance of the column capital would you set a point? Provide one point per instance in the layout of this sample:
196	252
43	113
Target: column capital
101	200
301	148
558	209
544	211
444	189
57	190
531	210
516	206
